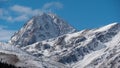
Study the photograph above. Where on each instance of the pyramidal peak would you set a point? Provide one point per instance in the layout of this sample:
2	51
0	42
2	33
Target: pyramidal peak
41	27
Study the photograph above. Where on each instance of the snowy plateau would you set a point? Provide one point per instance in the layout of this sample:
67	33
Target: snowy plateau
47	41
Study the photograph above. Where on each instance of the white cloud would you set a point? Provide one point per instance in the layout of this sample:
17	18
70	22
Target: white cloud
3	12
21	9
22	13
25	10
17	19
17	13
21	18
55	5
52	6
5	34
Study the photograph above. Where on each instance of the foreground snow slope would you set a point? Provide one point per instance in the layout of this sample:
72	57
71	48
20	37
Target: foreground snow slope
15	56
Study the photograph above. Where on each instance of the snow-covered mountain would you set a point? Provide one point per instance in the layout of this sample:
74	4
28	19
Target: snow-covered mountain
47	41
41	27
82	49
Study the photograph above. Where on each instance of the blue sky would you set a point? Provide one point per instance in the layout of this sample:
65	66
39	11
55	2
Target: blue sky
82	14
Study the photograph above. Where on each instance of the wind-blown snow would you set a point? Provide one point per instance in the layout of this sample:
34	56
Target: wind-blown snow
106	27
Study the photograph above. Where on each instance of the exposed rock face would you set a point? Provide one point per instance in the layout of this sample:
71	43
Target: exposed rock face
8	58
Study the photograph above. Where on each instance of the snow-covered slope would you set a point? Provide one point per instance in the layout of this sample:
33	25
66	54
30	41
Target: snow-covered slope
110	56
41	27
15	56
81	49
56	44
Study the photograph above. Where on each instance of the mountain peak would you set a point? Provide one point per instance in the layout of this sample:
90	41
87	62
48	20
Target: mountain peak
53	15
41	27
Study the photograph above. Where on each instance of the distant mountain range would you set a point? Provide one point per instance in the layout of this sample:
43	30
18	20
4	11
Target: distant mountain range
47	41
